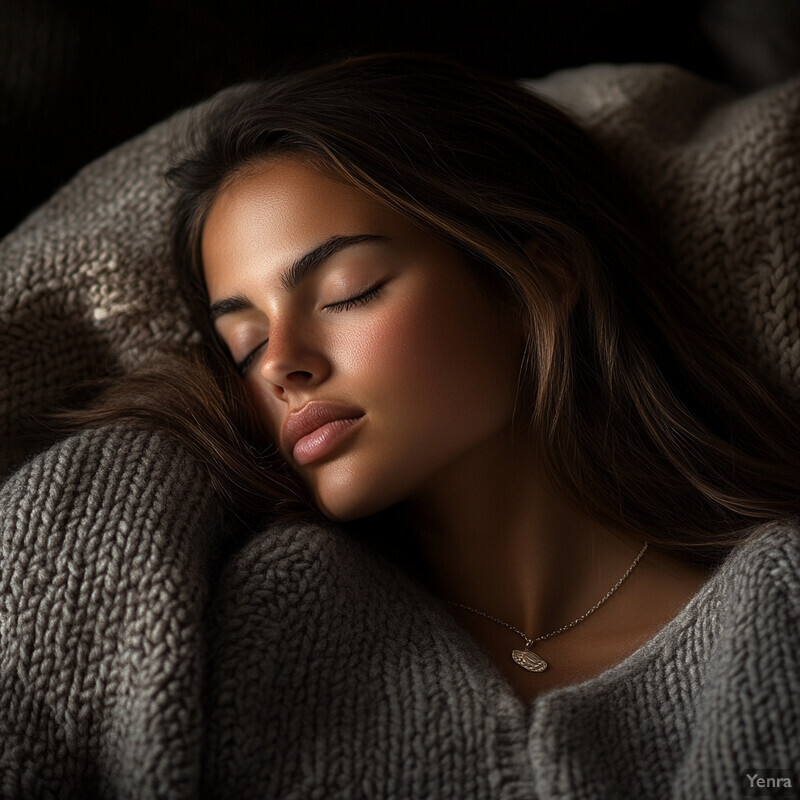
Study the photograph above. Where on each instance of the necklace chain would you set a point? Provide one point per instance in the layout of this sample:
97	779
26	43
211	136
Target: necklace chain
529	641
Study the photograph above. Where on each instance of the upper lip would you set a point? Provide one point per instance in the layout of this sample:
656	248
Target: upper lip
311	416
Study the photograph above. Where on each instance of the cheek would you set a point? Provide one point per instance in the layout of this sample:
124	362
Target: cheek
436	379
407	350
441	361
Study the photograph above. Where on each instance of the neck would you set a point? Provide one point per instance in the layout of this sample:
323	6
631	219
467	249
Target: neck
495	536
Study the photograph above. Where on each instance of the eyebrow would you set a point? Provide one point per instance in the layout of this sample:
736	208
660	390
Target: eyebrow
297	272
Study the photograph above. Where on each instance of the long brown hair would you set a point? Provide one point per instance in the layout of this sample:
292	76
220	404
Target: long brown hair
645	415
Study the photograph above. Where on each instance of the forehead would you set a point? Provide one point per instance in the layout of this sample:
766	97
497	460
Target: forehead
279	209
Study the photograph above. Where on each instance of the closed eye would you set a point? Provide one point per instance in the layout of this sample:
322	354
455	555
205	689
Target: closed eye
353	302
241	366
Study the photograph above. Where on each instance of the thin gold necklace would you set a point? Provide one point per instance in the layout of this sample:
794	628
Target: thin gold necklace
526	658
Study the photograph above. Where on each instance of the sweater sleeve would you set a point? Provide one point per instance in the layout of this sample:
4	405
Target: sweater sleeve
103	558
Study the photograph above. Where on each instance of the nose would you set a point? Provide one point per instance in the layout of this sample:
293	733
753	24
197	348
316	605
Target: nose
294	359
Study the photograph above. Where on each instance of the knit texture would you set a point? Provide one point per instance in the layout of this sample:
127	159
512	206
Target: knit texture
86	283
329	673
104	544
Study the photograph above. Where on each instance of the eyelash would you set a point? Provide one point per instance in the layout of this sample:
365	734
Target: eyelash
336	308
352	302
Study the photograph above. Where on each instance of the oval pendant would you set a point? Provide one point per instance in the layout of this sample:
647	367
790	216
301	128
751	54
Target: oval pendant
527	659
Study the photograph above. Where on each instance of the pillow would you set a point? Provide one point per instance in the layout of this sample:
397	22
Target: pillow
86	283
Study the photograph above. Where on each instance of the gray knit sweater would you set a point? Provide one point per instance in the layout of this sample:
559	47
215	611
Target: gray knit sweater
311	667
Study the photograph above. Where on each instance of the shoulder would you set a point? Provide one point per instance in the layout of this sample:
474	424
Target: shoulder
765	568
747	617
298	567
747	717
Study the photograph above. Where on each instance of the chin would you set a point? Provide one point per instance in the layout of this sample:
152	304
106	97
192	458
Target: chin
343	497
347	508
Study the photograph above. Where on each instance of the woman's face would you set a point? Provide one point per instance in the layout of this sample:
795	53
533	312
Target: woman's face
373	356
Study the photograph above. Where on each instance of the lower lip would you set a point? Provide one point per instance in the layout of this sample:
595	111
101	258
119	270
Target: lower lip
321	442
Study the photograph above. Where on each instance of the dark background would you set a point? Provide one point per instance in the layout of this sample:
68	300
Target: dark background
78	78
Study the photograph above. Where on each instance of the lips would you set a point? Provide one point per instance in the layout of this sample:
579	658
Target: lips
316	429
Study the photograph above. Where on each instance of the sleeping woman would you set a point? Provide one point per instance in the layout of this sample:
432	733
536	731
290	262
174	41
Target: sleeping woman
442	340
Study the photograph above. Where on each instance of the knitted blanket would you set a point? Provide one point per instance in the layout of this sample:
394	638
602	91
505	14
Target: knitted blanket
134	663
